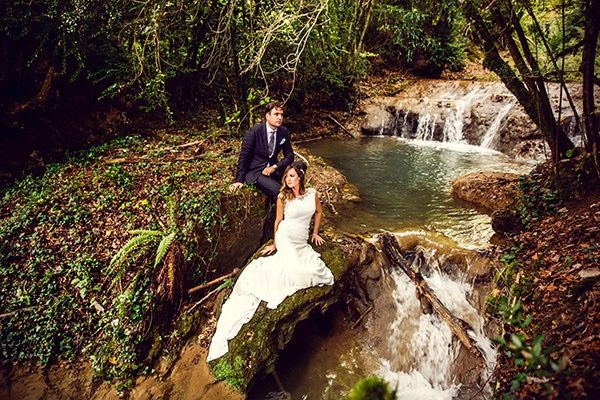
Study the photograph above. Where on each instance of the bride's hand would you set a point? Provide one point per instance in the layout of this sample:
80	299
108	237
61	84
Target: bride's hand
268	250
316	239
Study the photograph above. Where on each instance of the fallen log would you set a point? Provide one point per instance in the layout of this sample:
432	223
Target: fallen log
457	326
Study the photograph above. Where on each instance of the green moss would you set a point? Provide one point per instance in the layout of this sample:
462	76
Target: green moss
371	388
269	331
230	372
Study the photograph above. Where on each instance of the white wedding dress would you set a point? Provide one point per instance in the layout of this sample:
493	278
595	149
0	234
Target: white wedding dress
294	266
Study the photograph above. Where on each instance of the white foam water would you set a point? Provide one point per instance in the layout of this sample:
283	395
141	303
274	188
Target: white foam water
421	347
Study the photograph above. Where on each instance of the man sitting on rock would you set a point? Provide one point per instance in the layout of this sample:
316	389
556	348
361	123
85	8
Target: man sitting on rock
262	144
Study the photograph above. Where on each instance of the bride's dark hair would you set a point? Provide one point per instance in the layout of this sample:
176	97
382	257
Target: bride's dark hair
286	192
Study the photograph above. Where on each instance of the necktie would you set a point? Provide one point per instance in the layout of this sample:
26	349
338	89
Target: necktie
271	142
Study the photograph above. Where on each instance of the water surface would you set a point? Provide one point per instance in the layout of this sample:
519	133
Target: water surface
406	185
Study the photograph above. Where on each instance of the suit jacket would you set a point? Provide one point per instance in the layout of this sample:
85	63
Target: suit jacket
254	156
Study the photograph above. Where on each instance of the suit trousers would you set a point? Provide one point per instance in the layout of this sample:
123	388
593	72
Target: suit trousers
269	186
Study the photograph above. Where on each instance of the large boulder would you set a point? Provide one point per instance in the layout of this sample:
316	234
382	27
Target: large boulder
255	349
488	190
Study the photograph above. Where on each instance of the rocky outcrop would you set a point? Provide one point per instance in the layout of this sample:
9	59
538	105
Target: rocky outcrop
490	191
245	215
495	192
477	113
255	350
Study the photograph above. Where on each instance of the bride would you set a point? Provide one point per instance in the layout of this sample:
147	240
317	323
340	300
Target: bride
294	266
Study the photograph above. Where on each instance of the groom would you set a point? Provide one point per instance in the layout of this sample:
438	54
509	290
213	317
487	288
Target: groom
262	143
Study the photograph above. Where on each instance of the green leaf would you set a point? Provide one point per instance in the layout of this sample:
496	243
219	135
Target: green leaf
163	248
515	385
536	348
569	153
116	268
516	340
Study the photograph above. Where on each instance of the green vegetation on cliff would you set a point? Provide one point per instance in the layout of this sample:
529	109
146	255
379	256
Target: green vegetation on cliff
59	232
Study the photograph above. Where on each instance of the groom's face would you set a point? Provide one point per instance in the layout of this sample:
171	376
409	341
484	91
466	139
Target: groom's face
275	117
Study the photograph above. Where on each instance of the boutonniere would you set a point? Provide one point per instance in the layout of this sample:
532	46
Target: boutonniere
282	141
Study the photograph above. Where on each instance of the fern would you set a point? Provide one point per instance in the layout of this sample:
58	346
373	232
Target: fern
146	232
163	247
117	264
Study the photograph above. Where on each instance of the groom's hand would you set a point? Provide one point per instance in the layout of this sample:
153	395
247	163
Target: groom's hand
269	170
234	187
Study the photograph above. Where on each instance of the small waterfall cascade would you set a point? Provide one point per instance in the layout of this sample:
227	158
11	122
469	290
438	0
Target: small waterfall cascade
426	127
490	135
422	351
454	122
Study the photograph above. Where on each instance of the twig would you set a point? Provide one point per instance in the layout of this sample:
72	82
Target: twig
302	158
354	325
215	290
180	146
482	388
9	314
139	160
214	281
340	125
329	202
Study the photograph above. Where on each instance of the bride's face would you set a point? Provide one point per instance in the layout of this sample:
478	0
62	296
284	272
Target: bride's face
292	179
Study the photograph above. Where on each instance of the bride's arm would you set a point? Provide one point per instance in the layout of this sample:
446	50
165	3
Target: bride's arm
315	238
278	218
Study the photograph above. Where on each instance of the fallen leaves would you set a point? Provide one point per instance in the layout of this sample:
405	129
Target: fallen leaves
562	252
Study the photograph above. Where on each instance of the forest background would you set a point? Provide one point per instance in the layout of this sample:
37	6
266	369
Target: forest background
81	73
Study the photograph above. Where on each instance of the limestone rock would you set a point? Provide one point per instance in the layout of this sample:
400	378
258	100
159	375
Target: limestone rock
491	191
255	349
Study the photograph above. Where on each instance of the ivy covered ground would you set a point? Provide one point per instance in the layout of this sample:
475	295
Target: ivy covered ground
59	231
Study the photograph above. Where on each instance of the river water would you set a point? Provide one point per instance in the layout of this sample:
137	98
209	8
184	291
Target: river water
404	188
406	184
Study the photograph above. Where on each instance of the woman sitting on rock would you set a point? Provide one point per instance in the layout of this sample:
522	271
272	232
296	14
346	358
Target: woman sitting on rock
294	266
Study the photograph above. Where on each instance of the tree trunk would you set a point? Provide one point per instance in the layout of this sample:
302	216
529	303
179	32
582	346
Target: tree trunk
531	92
590	39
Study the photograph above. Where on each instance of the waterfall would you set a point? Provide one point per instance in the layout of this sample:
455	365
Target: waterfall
453	125
403	129
490	135
422	350
426	127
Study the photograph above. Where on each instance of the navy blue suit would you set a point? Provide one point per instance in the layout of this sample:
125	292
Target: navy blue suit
254	157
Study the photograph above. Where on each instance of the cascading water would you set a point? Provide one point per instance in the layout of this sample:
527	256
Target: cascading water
404	189
488	139
426	127
419	362
453	123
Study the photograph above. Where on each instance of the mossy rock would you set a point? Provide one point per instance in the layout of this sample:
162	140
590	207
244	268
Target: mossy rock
255	349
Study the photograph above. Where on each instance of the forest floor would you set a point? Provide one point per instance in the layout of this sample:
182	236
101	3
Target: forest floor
551	346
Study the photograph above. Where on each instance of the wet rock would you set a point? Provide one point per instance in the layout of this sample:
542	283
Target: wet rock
377	119
460	111
506	221
491	191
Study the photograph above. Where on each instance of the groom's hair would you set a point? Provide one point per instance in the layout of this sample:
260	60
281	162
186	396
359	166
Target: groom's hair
272	105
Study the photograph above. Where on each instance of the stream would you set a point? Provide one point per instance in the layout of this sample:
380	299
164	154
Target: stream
404	187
